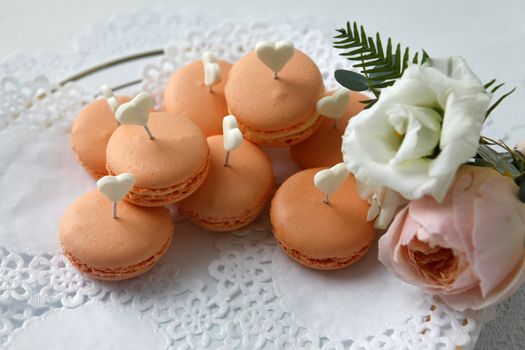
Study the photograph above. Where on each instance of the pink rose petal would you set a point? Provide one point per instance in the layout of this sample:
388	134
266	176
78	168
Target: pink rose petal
498	245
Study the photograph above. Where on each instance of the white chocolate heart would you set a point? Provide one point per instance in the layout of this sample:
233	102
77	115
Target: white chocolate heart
274	55
212	74
116	187
113	103
108	95
232	136
209	57
334	106
212	70
329	180
135	111
106	91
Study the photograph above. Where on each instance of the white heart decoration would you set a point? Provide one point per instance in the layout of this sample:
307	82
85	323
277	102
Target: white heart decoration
212	74
135	111
106	91
116	187
329	180
209	57
232	136
212	70
274	55
334	106
113	103
108	95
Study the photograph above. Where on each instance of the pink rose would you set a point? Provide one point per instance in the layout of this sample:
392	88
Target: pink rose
469	250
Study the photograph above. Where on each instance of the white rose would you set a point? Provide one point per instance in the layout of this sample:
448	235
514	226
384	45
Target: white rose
384	204
422	128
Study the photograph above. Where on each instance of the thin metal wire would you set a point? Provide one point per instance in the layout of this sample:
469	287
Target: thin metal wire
109	64
122	86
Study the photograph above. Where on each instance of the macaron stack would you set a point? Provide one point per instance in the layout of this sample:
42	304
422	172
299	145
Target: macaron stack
202	153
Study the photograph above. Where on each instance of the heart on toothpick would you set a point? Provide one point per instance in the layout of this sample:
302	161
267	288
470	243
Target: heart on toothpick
329	180
334	106
116	187
209	57
135	111
232	136
212	74
106	91
212	70
274	55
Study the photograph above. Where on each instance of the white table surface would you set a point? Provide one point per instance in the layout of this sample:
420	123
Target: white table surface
491	36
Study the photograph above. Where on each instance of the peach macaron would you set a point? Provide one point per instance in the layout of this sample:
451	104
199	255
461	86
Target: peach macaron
275	112
318	235
91	130
168	168
323	148
187	95
232	196
114	249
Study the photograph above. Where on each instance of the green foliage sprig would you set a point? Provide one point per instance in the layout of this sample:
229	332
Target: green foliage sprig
380	65
510	162
490	87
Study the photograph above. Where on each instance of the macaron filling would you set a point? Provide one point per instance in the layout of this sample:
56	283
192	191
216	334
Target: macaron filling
159	196
283	137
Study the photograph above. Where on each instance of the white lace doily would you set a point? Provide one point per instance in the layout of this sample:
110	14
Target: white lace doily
210	290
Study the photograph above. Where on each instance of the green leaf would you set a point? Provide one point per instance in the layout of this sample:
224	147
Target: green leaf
425	57
373	63
406	59
351	80
383	85
381	65
495	104
397	58
495	88
416	58
489	84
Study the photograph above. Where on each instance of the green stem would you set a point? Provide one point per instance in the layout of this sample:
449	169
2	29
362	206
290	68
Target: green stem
374	91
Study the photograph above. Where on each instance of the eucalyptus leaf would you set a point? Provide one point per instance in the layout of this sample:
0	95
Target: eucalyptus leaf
351	80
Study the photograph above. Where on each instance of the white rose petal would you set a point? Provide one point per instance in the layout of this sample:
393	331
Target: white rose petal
384	204
420	127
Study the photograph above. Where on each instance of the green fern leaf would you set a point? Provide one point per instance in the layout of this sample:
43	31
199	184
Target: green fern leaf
489	84
382	65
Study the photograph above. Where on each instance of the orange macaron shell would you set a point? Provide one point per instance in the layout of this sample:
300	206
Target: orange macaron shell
114	249
275	112
186	95
168	168
231	197
318	235
90	133
323	148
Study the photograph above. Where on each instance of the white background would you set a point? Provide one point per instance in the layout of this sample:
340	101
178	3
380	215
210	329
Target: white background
491	35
